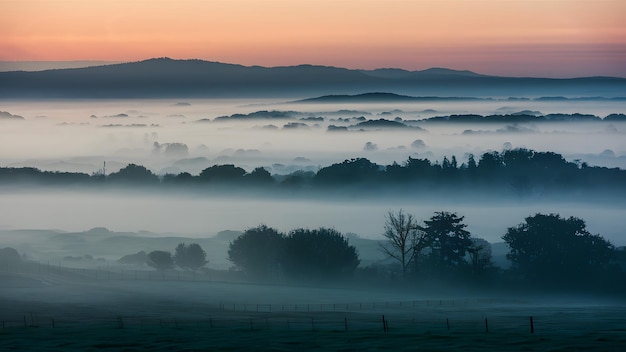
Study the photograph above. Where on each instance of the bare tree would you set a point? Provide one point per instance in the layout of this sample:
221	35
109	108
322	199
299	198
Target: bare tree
480	256
405	238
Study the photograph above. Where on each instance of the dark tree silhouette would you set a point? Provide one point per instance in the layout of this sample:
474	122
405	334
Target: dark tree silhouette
515	171
348	172
160	260
548	248
34	175
222	173
480	257
420	169
259	176
405	239
321	254
191	257
9	255
257	251
298	179
471	162
139	258
134	174
448	240
489	166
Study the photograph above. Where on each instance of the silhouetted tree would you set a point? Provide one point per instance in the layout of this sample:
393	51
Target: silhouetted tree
552	249
184	178
298	179
34	175
191	257
480	256
420	169
222	173
9	255
257	251
352	171
448	240
134	174
449	169
160	260
139	258
405	239
471	162
259	176
489	166
318	254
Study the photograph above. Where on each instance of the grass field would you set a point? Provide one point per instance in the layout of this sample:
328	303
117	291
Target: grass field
64	311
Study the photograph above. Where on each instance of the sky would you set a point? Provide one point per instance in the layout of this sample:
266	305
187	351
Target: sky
548	38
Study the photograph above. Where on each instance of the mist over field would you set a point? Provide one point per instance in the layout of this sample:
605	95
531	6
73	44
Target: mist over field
312	175
80	136
89	242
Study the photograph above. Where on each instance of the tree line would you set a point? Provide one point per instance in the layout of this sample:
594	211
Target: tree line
519	171
545	250
187	257
265	253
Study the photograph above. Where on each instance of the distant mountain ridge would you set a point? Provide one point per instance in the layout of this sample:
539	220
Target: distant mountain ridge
168	78
375	97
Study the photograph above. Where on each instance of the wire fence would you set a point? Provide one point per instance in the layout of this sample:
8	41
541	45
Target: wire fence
451	316
285	322
236	330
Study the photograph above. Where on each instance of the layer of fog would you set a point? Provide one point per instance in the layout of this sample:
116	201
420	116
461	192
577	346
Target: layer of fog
200	216
81	135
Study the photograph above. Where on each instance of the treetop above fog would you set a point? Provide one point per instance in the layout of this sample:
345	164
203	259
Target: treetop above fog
521	172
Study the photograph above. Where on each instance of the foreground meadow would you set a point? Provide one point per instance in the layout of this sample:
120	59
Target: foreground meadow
56	310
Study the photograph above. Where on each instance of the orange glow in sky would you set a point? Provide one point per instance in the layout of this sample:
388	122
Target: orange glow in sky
559	38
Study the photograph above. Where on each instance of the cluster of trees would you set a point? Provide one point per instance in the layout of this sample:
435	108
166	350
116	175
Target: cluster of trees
549	249
321	254
545	249
441	245
522	171
188	257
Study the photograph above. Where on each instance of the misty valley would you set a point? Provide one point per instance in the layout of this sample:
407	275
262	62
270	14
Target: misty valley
306	175
376	214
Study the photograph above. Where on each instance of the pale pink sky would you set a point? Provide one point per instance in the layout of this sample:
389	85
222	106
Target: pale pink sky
555	38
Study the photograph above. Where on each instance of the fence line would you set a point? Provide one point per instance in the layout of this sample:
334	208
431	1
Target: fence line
300	322
302	316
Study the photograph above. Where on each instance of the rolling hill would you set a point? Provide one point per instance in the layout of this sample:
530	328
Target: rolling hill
168	78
